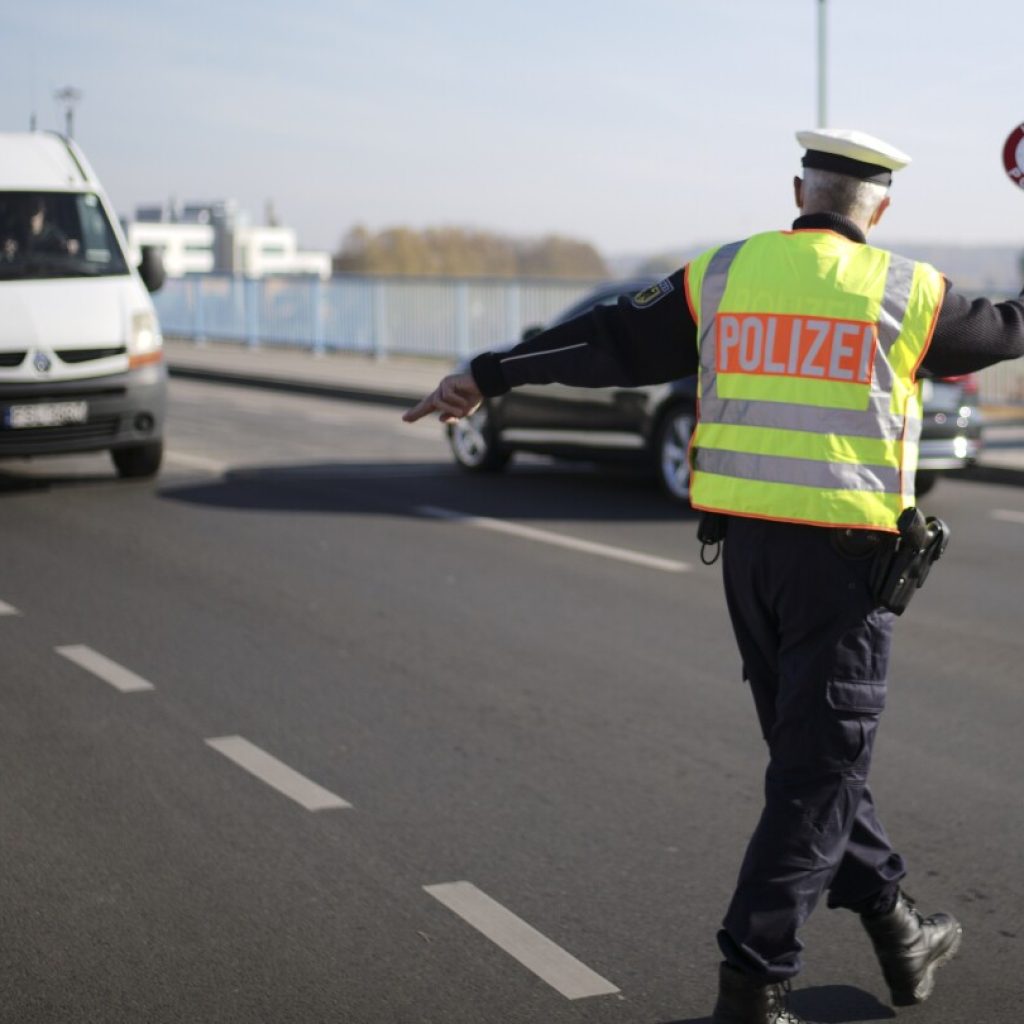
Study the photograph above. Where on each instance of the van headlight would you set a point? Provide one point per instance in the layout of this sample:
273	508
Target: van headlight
144	343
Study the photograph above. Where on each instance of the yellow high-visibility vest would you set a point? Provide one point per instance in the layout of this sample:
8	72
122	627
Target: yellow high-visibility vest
809	408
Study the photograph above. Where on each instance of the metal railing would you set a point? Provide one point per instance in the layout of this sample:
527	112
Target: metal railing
1002	384
377	316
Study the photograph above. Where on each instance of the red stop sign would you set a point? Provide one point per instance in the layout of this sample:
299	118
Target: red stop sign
1013	155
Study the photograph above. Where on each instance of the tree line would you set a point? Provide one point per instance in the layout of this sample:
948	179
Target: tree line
462	252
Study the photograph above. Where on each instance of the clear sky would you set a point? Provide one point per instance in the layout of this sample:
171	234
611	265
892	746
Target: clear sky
640	126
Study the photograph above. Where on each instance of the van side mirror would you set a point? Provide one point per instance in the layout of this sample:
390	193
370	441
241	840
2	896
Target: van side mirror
151	268
532	332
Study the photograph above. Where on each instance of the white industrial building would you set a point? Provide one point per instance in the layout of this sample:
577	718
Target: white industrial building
215	237
275	250
186	248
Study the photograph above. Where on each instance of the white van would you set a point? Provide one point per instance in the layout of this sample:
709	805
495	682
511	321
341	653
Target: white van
81	355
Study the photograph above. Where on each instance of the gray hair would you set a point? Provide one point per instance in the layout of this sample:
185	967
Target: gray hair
828	192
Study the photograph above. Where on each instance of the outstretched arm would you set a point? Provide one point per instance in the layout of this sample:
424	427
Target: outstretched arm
646	338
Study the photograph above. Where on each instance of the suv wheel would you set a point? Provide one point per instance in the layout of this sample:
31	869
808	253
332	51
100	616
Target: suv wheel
474	443
671	450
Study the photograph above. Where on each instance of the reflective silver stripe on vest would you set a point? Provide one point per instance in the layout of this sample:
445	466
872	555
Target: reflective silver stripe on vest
898	281
744	412
908	488
778	469
712	290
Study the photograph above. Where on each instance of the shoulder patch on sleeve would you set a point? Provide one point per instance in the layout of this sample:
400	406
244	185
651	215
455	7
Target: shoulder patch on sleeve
649	296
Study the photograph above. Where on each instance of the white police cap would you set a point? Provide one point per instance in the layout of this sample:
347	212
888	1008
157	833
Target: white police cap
850	152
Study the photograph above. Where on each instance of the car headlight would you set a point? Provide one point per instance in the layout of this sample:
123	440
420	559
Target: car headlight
144	344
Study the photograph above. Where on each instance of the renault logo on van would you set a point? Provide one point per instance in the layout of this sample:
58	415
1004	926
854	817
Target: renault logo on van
41	361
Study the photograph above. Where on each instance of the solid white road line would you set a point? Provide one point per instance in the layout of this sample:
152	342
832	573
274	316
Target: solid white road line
8	609
274	773
551	963
1007	515
557	539
196	461
109	671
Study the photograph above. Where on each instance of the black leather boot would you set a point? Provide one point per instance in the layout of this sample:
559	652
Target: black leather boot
910	948
743	999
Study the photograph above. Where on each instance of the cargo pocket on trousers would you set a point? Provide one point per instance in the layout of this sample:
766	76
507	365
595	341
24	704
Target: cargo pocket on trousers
862	657
856	705
857	696
857	685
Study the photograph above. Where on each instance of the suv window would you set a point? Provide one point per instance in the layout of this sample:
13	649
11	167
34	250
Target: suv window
56	234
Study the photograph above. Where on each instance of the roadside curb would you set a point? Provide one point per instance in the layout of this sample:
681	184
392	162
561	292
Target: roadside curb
395	398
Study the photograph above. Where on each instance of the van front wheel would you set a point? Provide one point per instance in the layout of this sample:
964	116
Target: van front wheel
138	460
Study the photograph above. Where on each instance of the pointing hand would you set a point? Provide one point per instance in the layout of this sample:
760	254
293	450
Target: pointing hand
455	397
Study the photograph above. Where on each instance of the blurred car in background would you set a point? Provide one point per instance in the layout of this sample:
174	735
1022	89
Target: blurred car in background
650	426
951	434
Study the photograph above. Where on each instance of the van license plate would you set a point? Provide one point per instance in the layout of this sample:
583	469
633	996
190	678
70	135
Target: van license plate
47	414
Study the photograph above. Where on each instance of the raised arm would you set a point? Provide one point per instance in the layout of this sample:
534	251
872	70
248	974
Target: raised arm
972	334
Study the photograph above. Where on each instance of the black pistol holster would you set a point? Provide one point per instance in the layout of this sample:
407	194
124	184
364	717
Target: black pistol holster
903	566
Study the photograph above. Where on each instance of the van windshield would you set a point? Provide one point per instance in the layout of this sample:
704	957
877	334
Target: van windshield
56	234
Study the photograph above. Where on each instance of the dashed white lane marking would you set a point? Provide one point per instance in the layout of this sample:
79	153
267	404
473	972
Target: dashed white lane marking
276	774
197	461
562	971
109	671
1007	515
557	539
8	609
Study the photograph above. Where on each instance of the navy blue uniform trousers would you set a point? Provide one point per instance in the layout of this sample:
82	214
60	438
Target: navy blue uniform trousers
815	652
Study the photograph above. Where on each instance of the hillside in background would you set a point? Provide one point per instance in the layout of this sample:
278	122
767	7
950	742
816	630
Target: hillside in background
462	252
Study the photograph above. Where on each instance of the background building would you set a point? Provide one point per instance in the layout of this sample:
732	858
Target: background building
216	237
259	251
186	248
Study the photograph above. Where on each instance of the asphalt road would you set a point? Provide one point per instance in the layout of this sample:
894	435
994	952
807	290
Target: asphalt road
303	733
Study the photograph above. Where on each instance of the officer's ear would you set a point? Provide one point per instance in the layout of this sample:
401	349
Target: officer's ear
877	215
798	191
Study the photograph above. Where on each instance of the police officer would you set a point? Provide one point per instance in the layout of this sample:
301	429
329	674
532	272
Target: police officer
807	344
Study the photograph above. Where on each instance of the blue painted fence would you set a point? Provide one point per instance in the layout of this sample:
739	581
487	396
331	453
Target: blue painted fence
402	316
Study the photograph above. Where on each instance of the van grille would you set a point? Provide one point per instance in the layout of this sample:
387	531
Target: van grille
12	358
62	390
99	429
85	355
